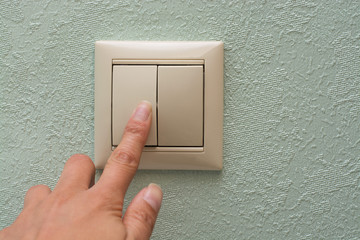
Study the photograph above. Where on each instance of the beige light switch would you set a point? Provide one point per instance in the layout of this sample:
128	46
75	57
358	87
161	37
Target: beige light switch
132	84
180	105
184	82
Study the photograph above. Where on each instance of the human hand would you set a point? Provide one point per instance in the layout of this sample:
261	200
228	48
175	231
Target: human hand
78	209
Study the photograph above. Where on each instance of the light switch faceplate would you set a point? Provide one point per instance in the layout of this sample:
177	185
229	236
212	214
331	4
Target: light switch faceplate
185	75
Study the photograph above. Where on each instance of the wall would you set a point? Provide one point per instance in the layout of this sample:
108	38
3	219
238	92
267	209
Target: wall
292	104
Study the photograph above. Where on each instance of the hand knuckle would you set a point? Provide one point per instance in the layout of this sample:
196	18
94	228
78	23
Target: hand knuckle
59	199
136	129
143	217
106	201
124	156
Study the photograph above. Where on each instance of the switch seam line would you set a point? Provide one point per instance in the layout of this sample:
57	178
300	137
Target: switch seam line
157	102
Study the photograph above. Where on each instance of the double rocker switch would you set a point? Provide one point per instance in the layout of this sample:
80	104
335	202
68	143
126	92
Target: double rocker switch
176	95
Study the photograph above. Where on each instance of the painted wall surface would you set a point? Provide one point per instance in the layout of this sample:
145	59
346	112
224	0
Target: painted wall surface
291	118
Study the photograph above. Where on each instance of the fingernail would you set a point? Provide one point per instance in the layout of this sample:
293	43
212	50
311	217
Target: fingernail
142	111
153	196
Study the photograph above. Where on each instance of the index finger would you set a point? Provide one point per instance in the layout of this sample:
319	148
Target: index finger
124	161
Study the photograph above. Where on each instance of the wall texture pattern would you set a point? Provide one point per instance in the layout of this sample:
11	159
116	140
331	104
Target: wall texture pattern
292	110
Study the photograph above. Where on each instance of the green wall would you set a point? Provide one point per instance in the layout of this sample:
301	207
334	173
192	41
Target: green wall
291	118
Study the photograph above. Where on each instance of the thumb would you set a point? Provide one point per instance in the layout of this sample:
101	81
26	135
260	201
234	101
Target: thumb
142	212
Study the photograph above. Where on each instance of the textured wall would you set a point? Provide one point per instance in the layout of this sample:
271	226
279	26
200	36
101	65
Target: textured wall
292	105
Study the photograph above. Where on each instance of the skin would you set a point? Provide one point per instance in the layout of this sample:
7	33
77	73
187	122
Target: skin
78	209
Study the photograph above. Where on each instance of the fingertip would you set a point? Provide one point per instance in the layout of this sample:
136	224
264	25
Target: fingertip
140	216
153	196
142	111
147	103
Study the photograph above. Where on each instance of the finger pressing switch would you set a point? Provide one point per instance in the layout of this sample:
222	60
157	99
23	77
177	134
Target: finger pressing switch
132	84
180	105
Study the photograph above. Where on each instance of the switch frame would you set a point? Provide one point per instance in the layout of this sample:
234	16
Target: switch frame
208	54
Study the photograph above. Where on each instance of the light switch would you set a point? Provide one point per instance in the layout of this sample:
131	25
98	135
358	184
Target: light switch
180	105
132	84
184	82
